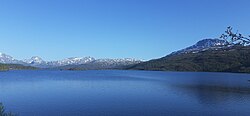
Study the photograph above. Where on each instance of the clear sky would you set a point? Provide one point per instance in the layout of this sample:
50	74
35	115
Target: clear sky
143	29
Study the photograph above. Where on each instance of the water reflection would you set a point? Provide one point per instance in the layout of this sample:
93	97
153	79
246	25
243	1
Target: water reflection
210	88
214	94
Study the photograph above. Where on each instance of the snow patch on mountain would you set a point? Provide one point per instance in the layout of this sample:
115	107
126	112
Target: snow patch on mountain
73	61
34	60
203	45
7	59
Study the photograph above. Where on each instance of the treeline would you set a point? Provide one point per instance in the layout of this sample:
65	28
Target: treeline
231	59
5	67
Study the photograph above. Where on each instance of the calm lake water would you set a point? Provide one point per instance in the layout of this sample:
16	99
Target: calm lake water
124	93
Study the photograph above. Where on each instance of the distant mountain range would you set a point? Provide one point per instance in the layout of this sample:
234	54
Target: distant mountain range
74	62
208	55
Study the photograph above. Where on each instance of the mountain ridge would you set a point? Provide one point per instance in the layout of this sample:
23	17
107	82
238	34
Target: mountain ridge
215	58
203	45
38	62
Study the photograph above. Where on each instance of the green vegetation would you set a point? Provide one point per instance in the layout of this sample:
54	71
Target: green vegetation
231	59
3	113
5	67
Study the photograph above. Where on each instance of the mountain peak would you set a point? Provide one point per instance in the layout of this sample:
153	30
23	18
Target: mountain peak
202	45
34	60
4	55
206	43
4	58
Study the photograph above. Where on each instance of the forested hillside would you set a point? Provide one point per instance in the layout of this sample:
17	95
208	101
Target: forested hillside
233	59
4	67
230	53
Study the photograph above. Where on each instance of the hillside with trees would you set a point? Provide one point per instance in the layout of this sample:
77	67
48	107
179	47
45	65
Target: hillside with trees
233	56
5	67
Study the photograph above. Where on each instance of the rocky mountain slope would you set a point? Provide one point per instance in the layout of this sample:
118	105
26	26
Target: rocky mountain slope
203	45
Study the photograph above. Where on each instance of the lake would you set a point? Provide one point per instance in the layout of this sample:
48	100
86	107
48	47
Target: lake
124	93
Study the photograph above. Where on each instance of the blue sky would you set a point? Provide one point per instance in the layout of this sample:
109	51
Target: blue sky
143	29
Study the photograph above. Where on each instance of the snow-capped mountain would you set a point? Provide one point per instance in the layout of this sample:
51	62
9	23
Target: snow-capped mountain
73	61
34	60
39	62
7	59
203	45
127	61
104	64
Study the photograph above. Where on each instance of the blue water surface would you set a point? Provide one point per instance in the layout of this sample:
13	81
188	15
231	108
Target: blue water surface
124	93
